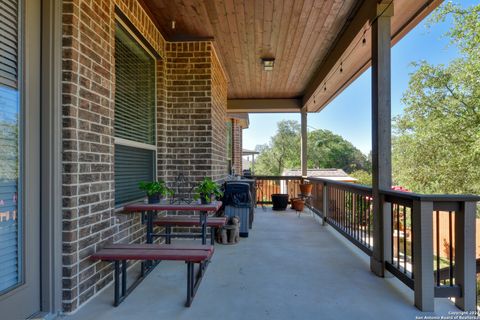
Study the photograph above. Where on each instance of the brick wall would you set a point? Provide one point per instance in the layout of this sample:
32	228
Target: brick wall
191	104
196	110
89	220
237	146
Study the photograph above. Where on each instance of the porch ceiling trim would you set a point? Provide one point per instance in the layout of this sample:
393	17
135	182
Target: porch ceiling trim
264	105
315	96
364	13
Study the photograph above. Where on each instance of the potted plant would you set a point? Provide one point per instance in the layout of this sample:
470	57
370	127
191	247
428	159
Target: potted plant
298	204
155	190
306	188
206	189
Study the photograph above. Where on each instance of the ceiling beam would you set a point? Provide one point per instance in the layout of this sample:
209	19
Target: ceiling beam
364	13
263	105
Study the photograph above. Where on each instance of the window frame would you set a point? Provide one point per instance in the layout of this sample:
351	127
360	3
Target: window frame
119	22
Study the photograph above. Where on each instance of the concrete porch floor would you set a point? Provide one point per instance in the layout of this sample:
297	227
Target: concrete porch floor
289	268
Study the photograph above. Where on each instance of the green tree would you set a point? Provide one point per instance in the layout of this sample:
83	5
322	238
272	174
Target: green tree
362	176
325	150
436	144
329	150
282	152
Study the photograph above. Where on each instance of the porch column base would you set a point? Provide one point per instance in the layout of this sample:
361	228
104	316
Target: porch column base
376	267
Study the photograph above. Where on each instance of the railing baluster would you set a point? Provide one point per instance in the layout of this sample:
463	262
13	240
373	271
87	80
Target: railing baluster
362	221
392	237
341	207
411	244
437	238
368	223
352	215
354	209
340	216
404	239
450	248
398	236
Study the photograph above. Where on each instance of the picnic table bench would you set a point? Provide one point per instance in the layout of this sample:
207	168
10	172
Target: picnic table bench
191	254
187	221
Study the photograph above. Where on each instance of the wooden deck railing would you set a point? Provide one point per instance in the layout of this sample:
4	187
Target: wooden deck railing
268	185
432	262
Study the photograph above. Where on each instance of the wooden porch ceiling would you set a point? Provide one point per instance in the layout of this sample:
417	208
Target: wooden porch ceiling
309	39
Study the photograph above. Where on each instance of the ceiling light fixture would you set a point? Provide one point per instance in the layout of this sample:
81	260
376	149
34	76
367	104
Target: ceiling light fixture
268	63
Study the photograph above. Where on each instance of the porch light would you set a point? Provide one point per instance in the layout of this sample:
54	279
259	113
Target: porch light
268	63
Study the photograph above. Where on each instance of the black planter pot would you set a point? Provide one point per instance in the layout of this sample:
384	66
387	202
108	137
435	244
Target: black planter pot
154	199
280	201
205	201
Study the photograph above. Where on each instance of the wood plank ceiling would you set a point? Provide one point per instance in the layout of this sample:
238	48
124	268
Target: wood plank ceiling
298	34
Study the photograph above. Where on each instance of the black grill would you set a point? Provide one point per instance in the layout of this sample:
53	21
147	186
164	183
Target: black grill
237	194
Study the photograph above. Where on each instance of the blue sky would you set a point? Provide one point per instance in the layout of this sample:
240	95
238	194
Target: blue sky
349	114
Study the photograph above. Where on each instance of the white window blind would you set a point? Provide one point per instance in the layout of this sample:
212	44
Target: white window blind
134	116
10	215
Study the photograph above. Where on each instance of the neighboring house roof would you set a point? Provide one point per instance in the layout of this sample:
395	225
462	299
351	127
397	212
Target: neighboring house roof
331	174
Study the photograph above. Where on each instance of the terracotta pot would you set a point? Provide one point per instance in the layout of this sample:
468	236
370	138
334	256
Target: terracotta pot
306	188
298	204
292	201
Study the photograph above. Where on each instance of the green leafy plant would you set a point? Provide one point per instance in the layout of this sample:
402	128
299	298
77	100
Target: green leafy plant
155	188
205	190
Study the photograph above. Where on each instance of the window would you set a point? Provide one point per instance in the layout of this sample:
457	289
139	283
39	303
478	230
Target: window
135	126
11	213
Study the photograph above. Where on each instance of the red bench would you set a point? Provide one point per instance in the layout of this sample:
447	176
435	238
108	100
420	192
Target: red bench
192	254
187	221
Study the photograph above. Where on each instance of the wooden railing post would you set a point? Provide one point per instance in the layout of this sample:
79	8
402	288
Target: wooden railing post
325	203
422	227
465	264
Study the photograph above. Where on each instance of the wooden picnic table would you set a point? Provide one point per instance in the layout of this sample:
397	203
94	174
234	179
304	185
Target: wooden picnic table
151	209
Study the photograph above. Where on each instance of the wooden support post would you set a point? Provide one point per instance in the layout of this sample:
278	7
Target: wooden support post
304	141
381	127
422	227
465	264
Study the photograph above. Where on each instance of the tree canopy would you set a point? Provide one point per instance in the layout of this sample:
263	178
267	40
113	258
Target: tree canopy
436	144
325	150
